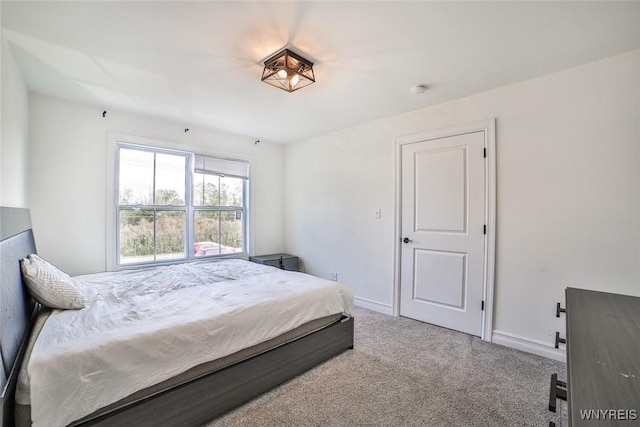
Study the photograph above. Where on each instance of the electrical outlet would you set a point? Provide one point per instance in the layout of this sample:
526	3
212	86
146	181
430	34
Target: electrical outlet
334	277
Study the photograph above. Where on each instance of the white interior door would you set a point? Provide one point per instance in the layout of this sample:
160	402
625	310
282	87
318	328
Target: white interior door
443	231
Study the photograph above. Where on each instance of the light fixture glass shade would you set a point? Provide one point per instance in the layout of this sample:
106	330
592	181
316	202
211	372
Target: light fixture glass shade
288	71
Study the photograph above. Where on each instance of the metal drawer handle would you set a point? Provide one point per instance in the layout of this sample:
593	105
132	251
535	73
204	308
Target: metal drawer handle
558	390
559	340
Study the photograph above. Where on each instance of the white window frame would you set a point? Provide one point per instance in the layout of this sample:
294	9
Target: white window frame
114	142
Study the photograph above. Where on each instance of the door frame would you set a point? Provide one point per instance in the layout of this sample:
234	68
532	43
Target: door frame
488	127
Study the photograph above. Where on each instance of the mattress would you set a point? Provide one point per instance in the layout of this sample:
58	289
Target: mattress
145	327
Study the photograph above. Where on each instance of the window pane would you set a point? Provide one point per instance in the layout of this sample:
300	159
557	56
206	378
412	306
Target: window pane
206	189
211	190
170	235
135	177
170	179
231	191
231	232
136	236
198	189
206	226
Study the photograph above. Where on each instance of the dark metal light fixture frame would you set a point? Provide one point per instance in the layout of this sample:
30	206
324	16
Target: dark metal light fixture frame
288	71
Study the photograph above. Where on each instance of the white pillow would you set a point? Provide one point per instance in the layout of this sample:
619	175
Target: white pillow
50	286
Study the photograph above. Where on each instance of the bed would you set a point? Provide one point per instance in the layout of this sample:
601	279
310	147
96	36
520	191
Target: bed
204	383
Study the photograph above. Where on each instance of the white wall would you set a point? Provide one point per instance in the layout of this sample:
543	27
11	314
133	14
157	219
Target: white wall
14	141
68	148
568	193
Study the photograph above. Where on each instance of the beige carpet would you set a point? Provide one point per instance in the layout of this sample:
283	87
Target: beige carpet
407	373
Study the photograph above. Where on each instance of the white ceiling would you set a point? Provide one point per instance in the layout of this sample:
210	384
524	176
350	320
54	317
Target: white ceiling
199	63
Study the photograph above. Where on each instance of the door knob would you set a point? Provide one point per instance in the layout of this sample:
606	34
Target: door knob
407	240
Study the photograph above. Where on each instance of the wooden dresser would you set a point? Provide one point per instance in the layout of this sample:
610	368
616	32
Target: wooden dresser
603	359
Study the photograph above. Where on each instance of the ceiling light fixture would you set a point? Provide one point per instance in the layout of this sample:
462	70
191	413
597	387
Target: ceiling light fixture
288	71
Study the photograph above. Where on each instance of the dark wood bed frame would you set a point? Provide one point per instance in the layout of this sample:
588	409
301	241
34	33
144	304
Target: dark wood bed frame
189	404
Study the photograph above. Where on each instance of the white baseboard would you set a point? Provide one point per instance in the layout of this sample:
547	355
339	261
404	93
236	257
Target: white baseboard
373	305
529	345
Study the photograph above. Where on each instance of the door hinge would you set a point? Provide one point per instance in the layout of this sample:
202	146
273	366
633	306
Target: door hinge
485	153
484	230
482	305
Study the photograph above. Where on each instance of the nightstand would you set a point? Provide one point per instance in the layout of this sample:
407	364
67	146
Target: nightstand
283	261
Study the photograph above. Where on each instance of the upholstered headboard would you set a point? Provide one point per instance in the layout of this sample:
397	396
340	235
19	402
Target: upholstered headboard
17	309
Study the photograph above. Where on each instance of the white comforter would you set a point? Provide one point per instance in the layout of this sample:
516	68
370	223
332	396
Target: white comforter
144	326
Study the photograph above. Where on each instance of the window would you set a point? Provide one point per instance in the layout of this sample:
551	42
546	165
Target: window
169	201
